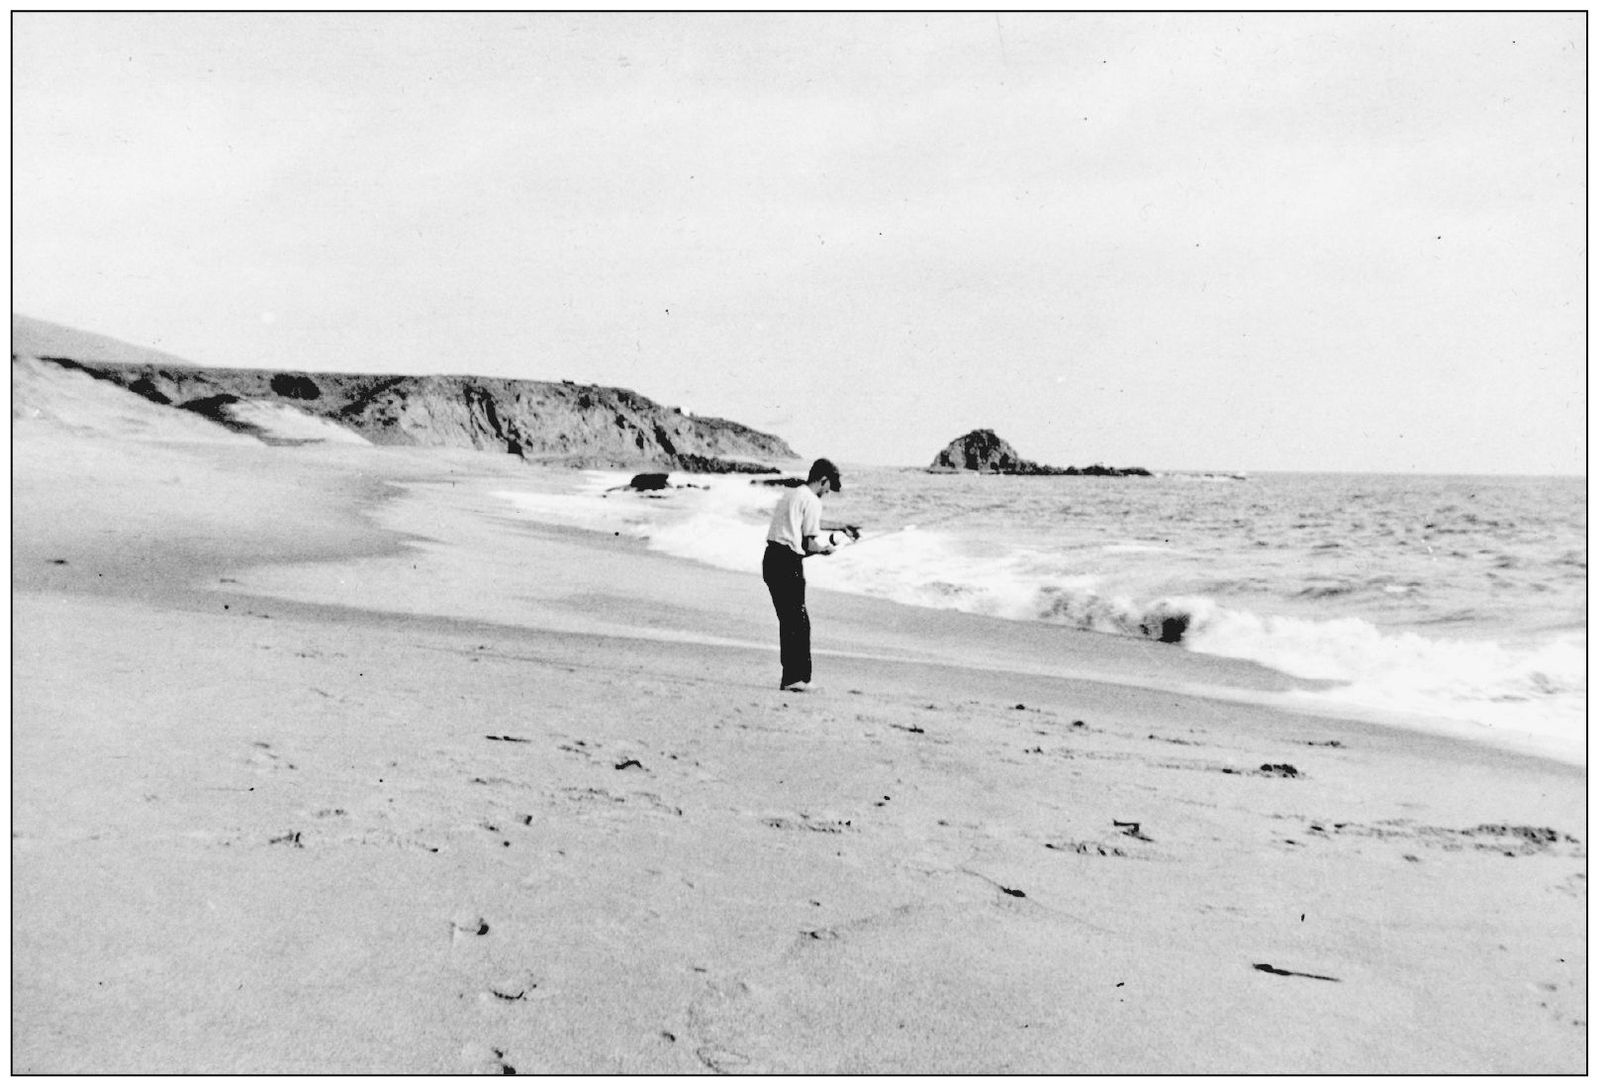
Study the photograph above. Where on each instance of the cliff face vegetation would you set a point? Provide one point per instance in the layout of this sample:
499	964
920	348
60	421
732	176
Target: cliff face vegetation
551	421
986	451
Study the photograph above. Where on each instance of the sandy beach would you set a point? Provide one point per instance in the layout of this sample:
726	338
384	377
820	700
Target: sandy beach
325	763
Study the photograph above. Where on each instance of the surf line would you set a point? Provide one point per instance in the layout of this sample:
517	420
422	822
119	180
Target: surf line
859	537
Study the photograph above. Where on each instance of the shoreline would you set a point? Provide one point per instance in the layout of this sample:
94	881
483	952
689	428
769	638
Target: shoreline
548	802
1038	647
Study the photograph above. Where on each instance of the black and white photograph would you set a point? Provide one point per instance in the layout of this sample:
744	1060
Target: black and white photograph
918	543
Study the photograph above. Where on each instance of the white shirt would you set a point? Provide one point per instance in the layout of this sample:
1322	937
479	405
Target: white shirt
798	515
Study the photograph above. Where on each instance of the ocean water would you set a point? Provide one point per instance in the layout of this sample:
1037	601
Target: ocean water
1447	602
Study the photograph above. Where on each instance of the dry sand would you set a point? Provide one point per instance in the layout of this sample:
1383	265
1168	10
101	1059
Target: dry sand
296	792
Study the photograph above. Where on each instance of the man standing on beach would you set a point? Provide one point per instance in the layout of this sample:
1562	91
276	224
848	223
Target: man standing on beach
796	532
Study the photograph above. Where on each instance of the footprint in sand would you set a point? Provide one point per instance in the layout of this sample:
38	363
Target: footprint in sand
1086	848
513	988
1511	840
724	1062
719	1009
1575	886
381	836
818	825
262	759
591	796
468	923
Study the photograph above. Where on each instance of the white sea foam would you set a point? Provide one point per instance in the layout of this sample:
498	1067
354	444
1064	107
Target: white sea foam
1531	693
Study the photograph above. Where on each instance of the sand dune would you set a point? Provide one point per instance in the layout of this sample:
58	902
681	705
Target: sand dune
323	764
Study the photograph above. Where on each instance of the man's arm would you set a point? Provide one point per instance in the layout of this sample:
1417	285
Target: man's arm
811	534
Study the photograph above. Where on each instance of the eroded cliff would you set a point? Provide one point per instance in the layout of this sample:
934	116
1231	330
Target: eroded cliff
551	421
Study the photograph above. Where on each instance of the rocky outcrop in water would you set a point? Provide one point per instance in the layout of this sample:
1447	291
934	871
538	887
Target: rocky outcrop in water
978	451
986	451
556	422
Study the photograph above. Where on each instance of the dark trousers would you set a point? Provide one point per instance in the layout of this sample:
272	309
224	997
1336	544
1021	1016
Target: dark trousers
784	576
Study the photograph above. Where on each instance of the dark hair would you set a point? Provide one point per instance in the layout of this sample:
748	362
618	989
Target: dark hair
826	469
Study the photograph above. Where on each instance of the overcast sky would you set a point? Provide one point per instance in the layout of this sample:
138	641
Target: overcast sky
1247	241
